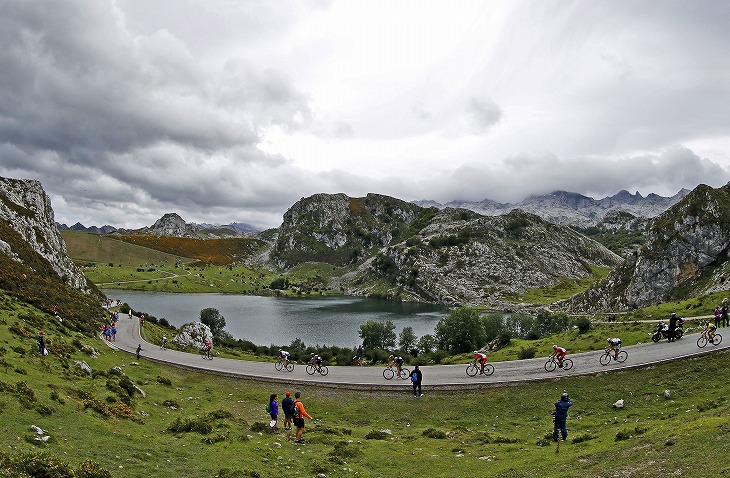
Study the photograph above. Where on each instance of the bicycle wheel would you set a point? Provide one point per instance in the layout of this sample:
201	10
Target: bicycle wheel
289	367
702	341
567	364
404	373
472	369
278	365
323	370
622	356
605	358
388	373
488	369
550	365
717	339
310	369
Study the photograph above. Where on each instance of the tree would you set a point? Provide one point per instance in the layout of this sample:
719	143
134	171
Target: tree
214	320
407	339
378	335
426	343
460	331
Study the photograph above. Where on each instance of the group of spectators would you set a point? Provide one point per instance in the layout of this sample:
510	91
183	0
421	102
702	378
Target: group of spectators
294	413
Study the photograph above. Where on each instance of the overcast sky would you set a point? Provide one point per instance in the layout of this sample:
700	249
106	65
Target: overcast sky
225	111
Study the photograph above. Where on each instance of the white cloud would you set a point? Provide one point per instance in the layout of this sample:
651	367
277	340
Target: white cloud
230	111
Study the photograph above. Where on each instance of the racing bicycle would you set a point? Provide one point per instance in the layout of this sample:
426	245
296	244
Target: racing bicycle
279	365
552	363
607	356
312	368
391	370
705	339
475	368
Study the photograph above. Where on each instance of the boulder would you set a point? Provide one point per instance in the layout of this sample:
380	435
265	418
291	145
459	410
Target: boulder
194	335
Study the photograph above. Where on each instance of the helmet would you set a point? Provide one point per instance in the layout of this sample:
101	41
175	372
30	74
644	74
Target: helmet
564	397
674	314
390	356
312	354
608	339
555	346
42	333
476	351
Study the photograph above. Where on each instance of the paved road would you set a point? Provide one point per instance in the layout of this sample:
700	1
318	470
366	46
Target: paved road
449	377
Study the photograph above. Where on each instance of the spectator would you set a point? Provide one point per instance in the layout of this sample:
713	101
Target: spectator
561	415
286	406
723	314
298	415
416	377
42	343
274	413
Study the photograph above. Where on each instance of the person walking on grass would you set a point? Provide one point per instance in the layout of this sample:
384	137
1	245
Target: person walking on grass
298	415
287	405
561	415
416	377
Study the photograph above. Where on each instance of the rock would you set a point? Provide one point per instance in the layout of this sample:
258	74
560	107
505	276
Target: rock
193	334
84	367
619	404
38	430
667	393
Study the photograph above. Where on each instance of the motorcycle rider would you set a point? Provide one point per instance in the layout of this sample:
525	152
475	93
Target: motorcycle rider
672	326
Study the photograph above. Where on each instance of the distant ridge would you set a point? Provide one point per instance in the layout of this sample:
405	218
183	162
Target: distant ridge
572	209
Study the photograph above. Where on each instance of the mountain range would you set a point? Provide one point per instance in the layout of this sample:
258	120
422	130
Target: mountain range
381	246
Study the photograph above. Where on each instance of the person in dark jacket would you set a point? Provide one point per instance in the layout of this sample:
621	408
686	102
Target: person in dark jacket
672	326
561	415
42	343
286	407
416	377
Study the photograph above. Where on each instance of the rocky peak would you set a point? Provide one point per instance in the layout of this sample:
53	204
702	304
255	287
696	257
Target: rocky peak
26	207
685	254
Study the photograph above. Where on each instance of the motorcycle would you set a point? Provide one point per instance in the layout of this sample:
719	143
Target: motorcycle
662	330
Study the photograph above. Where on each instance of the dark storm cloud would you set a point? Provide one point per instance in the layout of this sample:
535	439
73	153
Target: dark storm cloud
85	102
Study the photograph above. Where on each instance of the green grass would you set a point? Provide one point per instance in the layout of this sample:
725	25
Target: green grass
494	432
565	288
85	247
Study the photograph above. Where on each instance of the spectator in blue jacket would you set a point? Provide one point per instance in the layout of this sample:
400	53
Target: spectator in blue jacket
561	415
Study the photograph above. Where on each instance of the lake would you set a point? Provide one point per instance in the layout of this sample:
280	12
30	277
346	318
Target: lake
327	320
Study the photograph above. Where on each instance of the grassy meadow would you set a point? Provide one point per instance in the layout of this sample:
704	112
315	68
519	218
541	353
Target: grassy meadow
140	419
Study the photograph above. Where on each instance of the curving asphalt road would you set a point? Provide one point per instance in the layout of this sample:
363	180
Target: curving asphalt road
445	377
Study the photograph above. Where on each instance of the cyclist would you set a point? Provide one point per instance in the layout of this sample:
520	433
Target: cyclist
482	359
559	353
284	357
710	331
208	346
315	359
397	361
614	345
164	342
359	355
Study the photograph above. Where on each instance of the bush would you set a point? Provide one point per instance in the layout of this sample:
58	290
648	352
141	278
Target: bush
527	353
583	324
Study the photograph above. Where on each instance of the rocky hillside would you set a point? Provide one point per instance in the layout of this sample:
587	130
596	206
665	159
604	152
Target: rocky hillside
26	208
685	254
462	258
340	230
566	208
34	266
452	256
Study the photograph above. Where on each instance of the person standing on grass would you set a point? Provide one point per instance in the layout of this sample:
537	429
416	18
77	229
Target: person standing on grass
42	343
286	406
416	377
298	414
274	413
561	415
139	349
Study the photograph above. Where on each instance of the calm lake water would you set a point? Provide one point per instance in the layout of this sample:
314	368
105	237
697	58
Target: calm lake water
277	320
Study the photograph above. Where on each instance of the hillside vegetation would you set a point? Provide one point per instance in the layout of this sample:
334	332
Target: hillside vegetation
210	251
149	420
85	247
